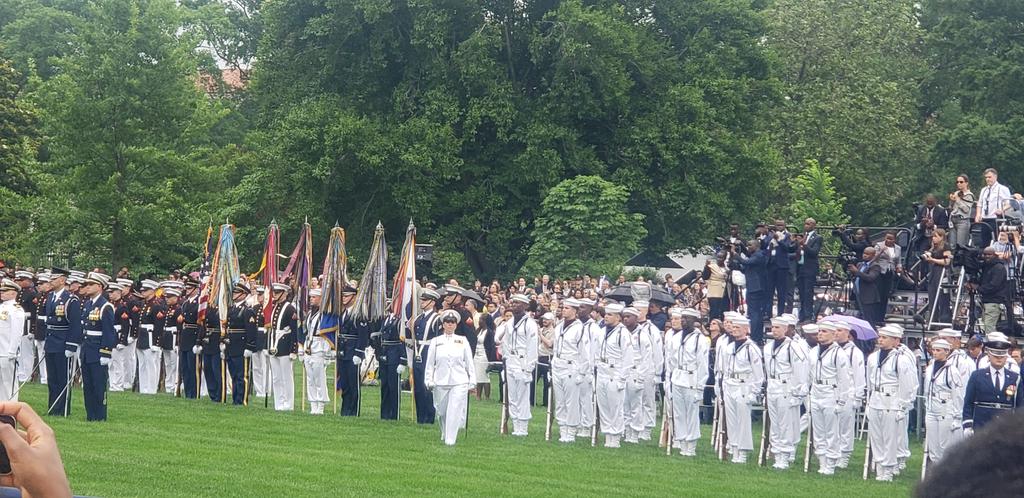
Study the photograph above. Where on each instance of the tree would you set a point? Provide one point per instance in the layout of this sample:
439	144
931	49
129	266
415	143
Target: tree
18	132
463	114
973	91
584	226
814	196
852	71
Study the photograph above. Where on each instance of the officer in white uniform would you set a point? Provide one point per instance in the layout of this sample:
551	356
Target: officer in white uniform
944	401
570	369
282	347
615	357
892	386
519	344
450	375
316	353
742	374
830	386
12	328
848	416
686	369
786	369
639	374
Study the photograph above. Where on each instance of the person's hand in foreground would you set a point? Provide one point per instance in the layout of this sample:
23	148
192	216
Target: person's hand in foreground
36	466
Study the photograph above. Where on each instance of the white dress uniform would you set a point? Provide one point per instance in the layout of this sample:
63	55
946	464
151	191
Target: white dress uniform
892	387
848	416
282	371
944	388
169	358
260	360
592	332
742	374
318	353
831	382
686	368
519	344
654	378
615	358
786	370
639	376
570	368
449	374
12	328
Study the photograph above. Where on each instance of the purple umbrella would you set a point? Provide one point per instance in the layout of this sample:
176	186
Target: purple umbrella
862	328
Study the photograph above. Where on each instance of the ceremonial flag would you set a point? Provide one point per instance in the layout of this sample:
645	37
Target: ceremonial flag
404	302
225	273
300	268
335	279
268	270
204	273
370	304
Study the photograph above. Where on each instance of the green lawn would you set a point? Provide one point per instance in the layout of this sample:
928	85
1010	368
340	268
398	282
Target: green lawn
164	446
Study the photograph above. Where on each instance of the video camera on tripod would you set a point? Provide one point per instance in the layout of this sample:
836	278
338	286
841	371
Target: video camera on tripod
969	258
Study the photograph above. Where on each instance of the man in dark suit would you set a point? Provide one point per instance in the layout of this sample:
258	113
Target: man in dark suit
780	247
754	264
929	217
807	268
991	391
866	286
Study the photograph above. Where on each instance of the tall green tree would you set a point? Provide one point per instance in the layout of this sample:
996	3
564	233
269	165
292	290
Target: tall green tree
852	71
463	114
18	132
815	196
973	90
584	225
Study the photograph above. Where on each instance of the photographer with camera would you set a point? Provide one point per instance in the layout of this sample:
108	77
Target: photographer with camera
961	207
867	284
938	258
856	243
994	288
889	255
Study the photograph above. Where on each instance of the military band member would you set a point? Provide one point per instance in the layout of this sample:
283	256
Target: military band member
316	353
831	382
592	333
957	359
390	353
944	397
63	335
39	328
450	375
858	390
426	327
189	349
742	374
686	372
570	369
787	371
151	328
98	341
170	338
518	341
282	346
354	337
615	357
12	328
991	391
240	343
892	387
116	371
130	335
28	300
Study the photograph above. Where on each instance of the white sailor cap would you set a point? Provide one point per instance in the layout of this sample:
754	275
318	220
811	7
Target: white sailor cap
891	330
548	316
742	321
781	321
940	344
690	312
810	328
790	319
731	316
147	284
613	308
675	312
949	333
641	304
630	310
827	325
520	298
587	302
316	292
841	325
571	302
280	287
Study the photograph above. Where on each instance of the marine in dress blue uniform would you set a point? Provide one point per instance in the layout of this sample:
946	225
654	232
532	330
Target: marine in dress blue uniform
188	347
210	342
426	327
353	337
991	392
390	354
152	319
98	340
240	344
63	335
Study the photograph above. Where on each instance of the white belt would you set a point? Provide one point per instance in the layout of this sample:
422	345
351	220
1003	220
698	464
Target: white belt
261	329
146	326
117	328
170	329
42	317
888	390
94	333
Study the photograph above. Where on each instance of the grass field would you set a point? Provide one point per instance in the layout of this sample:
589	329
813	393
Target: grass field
164	446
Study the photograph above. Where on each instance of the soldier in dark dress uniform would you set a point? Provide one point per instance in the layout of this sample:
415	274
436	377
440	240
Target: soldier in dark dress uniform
390	354
426	327
282	346
991	392
189	369
63	335
211	345
28	299
151	327
39	324
98	342
353	337
240	343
